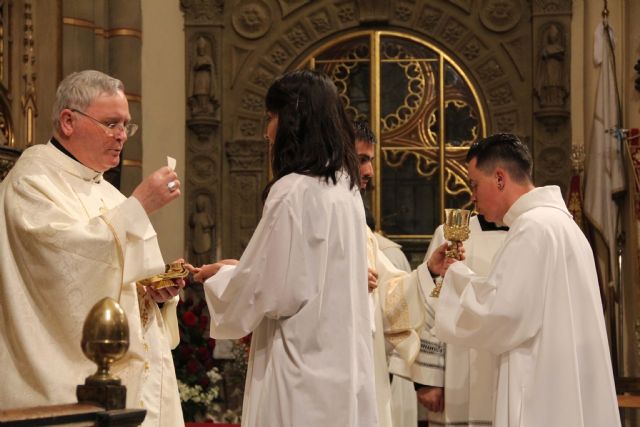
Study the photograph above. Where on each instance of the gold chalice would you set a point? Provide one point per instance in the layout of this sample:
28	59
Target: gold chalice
456	230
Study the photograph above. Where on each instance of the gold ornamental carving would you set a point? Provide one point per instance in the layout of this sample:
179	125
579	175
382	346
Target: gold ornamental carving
28	98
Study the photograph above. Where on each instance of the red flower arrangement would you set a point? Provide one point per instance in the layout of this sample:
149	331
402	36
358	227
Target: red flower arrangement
199	381
198	378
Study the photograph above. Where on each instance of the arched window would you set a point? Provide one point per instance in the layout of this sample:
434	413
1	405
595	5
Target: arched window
407	88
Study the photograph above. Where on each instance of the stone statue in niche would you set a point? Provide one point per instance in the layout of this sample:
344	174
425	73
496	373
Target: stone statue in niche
551	82
202	225
202	100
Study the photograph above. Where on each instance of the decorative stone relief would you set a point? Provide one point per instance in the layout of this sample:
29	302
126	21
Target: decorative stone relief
472	48
500	15
553	160
552	6
507	122
403	12
501	95
245	212
262	77
490	70
429	19
279	55
288	6
247	168
203	167
248	127
252	102
251	18
346	12
298	36
247	155
202	11
453	31
320	21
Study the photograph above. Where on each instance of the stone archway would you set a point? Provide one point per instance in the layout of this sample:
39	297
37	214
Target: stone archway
500	44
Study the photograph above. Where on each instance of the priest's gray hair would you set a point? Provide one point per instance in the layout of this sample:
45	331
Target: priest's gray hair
78	90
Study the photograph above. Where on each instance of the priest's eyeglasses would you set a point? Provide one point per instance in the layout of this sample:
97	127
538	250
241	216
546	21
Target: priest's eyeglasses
111	128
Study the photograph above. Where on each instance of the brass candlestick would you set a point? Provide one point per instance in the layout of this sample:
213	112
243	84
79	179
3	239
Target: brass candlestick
456	230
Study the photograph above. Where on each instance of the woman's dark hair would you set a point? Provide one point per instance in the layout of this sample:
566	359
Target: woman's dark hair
314	136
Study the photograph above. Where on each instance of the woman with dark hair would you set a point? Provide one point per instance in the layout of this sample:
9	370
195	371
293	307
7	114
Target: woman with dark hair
301	284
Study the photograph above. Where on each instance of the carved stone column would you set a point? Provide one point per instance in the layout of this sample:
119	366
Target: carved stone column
246	160
203	38
551	107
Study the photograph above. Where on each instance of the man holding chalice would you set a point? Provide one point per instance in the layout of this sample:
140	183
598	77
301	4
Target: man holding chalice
538	309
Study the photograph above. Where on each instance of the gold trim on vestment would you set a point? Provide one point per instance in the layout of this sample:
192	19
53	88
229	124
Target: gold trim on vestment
396	311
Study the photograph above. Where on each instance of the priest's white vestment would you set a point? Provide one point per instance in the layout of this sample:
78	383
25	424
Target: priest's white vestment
469	374
539	310
404	404
61	225
397	403
301	288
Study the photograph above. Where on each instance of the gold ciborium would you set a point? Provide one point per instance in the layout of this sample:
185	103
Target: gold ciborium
456	230
177	270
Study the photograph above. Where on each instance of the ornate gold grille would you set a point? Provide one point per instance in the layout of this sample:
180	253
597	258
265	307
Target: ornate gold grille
407	88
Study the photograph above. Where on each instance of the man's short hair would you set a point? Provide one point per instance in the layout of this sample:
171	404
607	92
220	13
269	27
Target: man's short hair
363	131
78	90
502	150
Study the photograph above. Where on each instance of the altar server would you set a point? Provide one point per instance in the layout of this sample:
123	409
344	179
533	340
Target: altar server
301	284
539	307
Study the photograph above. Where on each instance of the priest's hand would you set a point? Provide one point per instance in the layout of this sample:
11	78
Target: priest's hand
372	280
439	262
164	294
158	189
431	398
203	273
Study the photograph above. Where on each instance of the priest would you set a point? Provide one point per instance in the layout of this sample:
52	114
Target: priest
68	238
538	309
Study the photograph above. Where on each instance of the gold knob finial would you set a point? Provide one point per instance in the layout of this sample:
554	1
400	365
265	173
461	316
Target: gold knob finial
105	339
